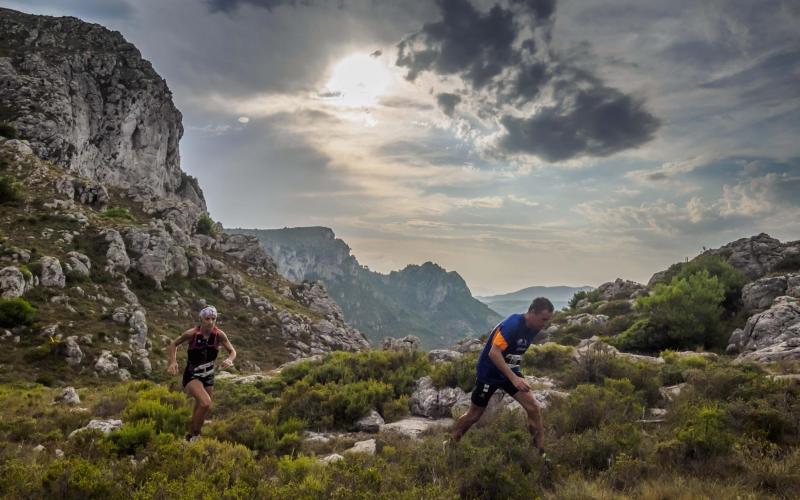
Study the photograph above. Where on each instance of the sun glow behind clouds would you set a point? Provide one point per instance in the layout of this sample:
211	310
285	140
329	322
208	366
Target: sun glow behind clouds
358	81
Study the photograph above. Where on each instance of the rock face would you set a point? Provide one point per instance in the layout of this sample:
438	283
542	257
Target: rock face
12	282
620	289
761	293
87	101
405	302
771	335
52	273
756	256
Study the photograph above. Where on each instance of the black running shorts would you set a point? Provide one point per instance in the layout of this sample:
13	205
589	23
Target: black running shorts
482	392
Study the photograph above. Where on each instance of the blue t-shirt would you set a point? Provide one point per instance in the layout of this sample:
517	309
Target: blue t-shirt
513	339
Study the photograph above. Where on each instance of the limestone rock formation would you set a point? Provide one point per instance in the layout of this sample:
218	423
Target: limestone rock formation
86	100
428	401
756	256
771	335
760	294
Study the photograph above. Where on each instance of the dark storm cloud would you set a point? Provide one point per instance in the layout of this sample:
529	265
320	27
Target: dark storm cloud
475	45
506	64
448	102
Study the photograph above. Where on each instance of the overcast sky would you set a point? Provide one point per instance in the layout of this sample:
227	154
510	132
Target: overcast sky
519	143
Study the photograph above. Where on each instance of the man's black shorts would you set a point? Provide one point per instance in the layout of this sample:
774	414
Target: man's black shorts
482	392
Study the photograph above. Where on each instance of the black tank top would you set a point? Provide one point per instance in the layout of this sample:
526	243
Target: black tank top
203	350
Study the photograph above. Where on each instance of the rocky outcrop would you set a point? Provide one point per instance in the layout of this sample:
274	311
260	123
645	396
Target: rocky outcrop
470	345
760	294
444	356
588	348
71	351
587	320
771	335
78	264
756	256
86	100
68	396
621	289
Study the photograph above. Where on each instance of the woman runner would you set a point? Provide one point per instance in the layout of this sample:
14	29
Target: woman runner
198	376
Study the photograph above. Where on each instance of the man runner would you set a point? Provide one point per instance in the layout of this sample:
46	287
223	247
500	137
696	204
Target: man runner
498	368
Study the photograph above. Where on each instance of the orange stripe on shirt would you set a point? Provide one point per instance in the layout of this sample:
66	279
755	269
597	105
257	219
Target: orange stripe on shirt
499	340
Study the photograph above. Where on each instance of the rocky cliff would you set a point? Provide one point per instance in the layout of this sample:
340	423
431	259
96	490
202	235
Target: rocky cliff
86	100
426	301
99	224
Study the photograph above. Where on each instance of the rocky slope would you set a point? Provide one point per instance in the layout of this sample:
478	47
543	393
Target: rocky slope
100	224
426	301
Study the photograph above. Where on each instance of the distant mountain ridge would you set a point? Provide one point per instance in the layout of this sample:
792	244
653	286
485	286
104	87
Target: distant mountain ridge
424	300
519	301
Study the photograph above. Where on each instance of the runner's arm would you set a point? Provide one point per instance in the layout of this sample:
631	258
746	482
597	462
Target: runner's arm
231	351
172	350
496	355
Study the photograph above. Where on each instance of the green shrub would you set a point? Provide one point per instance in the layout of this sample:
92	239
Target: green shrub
459	373
205	225
548	357
591	406
333	405
729	277
8	130
10	191
593	296
684	314
396	409
76	478
596	448
16	311
132	436
259	431
118	213
704	432
614	308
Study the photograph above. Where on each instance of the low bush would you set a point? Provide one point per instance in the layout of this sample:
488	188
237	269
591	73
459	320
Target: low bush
614	308
333	405
704	430
259	431
547	358
789	264
205	225
10	190
459	373
592	296
16	311
590	406
132	436
118	213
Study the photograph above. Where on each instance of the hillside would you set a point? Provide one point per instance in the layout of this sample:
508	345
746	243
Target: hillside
426	301
106	237
687	387
515	302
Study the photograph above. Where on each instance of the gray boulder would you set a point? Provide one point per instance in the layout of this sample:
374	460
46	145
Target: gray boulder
469	345
78	264
444	355
52	274
757	255
70	351
106	363
365	447
68	396
12	282
587	320
106	426
407	343
117	260
428	401
413	427
371	422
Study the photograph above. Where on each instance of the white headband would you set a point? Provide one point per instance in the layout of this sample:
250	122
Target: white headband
208	311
